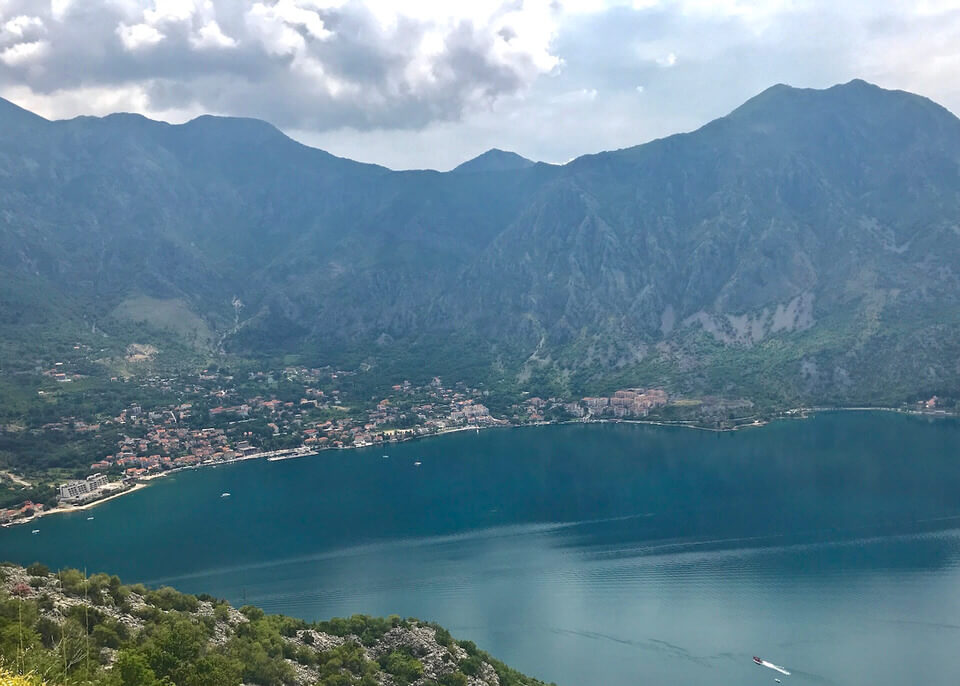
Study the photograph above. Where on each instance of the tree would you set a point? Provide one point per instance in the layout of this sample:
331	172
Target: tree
132	669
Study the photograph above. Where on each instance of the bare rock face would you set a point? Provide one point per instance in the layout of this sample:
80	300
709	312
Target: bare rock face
319	640
420	642
413	639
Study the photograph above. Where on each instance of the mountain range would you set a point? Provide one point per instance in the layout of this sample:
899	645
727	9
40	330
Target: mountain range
803	248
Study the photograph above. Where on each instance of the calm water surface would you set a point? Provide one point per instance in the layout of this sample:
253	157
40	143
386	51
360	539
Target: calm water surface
613	554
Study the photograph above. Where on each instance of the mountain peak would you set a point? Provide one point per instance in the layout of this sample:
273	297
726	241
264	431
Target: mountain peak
855	106
15	120
495	159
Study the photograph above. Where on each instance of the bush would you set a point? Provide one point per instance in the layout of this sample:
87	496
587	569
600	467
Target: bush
453	679
167	598
348	657
131	669
10	679
50	631
38	569
88	617
148	613
471	666
470	647
45	602
72	581
404	667
221	613
443	636
106	636
252	613
368	629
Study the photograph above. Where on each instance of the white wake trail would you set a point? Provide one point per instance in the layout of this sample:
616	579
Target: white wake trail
774	667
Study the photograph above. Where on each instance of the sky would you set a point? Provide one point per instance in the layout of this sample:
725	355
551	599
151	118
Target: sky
431	83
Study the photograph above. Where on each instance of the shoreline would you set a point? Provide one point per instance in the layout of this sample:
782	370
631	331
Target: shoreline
271	456
67	509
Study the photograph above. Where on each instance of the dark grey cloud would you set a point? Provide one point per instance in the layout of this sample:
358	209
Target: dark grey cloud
297	63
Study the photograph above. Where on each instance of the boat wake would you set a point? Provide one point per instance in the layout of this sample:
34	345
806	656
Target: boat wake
770	665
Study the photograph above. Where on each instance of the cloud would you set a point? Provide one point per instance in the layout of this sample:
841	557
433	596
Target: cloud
138	36
210	35
312	64
667	60
20	26
24	53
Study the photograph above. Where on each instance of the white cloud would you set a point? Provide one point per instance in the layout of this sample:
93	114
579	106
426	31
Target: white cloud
97	101
138	36
21	53
277	36
285	27
667	60
169	11
210	35
310	63
21	25
60	8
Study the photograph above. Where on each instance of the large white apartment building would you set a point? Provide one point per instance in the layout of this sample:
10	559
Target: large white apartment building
77	490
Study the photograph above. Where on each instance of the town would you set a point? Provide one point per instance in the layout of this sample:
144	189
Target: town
218	416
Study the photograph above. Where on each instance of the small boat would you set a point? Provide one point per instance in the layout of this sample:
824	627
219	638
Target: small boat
35	531
89	519
417	464
770	665
385	457
224	495
778	681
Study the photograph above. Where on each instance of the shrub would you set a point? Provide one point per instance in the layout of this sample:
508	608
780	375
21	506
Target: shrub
10	679
471	666
453	679
167	598
38	569
404	667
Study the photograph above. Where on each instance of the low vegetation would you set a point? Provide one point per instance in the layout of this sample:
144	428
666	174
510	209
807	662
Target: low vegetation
67	629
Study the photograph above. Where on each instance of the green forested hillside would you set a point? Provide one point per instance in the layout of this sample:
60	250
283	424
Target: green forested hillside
805	248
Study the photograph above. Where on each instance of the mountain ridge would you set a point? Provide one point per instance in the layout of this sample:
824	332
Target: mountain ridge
806	239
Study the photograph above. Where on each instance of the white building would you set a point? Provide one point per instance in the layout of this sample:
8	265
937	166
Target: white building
77	490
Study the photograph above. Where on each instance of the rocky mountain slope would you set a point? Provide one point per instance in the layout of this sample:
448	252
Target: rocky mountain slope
69	629
803	248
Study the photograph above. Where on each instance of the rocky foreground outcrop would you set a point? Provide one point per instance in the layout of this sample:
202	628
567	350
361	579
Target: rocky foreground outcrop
107	624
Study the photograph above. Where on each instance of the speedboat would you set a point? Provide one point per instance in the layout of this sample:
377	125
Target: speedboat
224	495
770	665
417	464
35	531
89	518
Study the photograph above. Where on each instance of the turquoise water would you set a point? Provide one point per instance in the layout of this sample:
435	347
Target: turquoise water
600	554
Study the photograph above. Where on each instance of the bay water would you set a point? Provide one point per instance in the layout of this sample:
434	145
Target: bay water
613	554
